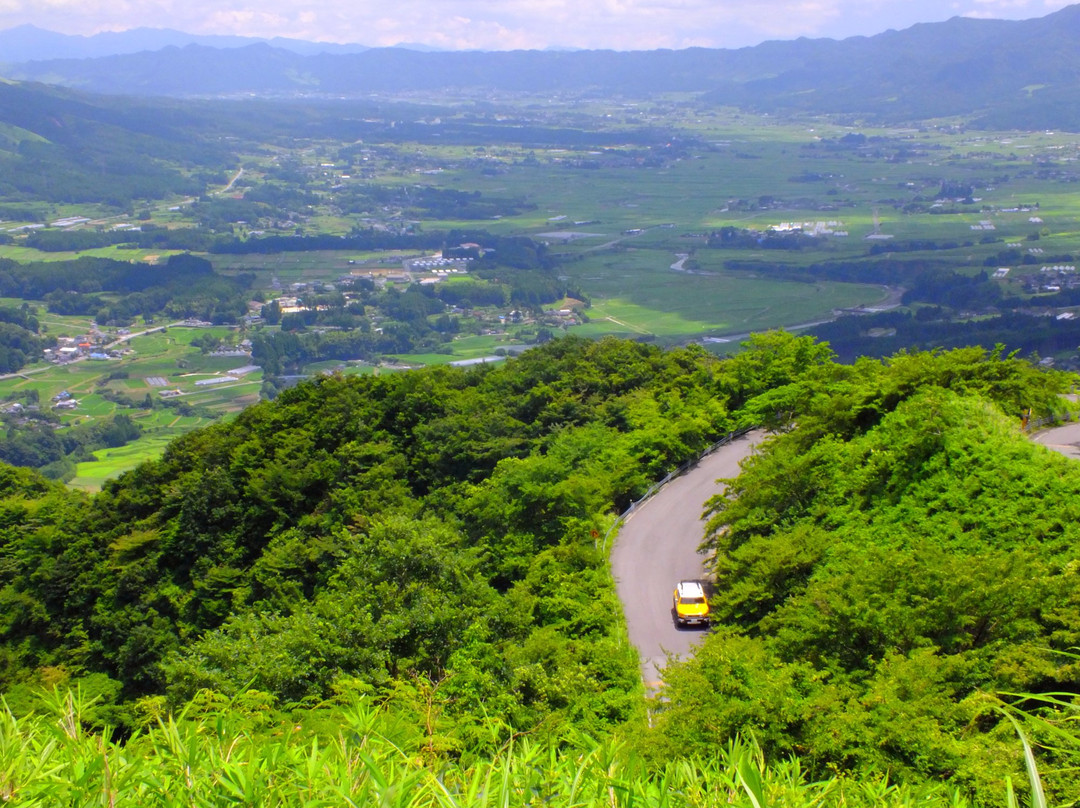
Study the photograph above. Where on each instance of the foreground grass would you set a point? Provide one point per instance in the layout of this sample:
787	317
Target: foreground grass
365	756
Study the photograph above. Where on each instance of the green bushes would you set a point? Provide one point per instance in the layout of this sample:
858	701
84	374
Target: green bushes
429	539
437	523
357	753
901	551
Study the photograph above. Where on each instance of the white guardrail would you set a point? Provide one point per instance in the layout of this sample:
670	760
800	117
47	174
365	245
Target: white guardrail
655	487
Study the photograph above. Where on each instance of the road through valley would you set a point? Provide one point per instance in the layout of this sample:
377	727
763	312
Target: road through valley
657	547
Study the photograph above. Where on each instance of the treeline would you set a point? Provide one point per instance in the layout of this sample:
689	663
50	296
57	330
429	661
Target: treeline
521	131
929	328
200	240
33	439
286	352
925	281
429	202
433	535
740	238
511	251
183	286
20	339
878	270
85	275
938	281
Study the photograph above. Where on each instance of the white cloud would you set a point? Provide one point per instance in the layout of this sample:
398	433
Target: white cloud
510	24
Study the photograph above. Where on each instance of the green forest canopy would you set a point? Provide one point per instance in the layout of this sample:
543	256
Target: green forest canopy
896	555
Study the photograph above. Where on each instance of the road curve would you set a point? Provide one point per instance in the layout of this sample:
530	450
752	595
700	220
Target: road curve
1064	439
657	547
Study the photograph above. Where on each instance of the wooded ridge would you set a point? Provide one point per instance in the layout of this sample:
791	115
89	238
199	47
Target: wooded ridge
958	67
898	554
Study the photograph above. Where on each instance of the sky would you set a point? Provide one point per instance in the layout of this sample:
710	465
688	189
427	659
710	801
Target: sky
514	24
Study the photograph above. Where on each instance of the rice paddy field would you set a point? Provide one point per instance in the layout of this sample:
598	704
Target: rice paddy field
637	293
159	362
628	224
108	463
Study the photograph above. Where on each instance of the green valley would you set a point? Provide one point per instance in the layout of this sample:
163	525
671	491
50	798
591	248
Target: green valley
323	403
664	221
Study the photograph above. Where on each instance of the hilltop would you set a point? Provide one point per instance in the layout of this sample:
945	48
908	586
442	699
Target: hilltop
433	537
1021	74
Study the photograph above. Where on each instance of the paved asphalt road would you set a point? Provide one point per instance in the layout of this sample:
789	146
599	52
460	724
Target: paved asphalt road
657	547
1064	439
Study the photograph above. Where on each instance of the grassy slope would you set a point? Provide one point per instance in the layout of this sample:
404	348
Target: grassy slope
352	753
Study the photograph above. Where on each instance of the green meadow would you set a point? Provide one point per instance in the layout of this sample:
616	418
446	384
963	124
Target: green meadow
108	463
618	219
637	292
462	348
116	253
163	360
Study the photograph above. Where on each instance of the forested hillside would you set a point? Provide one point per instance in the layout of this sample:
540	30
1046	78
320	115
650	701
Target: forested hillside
1020	74
892	561
435	524
427	542
59	146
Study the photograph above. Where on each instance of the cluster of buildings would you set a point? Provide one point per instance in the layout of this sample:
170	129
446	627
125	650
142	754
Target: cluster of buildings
438	264
69	221
240	349
64	401
830	228
61	401
1052	279
88	346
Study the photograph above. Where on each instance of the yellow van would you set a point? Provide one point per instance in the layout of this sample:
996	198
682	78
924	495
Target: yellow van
689	603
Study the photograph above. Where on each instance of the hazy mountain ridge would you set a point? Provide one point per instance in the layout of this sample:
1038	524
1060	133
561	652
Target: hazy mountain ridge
1025	69
28	43
957	67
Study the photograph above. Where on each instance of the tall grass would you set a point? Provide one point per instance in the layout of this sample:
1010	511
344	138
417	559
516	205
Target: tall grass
1050	722
219	758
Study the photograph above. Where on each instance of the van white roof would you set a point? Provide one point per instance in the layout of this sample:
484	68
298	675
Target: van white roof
690	589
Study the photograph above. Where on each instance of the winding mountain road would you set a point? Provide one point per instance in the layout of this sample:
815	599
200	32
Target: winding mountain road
1064	439
657	547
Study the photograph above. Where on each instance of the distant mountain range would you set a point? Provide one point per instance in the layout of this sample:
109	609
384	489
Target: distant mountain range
29	43
1023	74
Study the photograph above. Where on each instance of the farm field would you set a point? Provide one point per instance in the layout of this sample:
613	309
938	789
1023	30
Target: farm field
27	254
638	292
161	361
109	463
630	229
